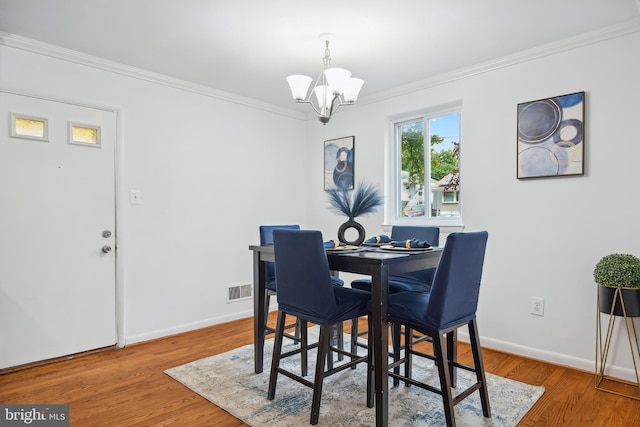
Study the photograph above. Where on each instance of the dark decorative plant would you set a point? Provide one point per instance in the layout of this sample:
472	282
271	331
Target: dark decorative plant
362	200
618	270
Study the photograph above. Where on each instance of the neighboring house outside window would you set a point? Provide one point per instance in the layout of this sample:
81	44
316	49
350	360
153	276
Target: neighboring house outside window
424	173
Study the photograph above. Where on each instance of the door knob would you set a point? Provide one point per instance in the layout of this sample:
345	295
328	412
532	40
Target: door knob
106	249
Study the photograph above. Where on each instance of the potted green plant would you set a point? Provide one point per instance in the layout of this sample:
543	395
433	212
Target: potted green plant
618	279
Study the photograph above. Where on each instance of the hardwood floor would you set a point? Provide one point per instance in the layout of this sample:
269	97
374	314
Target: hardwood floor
127	387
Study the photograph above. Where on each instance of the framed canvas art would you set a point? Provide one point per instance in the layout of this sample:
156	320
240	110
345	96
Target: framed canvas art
551	137
338	163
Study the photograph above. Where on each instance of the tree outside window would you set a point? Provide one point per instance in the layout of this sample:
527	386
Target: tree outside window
438	185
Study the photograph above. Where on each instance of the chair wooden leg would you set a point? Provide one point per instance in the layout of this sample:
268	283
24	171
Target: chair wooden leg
408	353
354	339
337	340
304	354
323	350
442	362
329	352
395	344
479	366
277	351
370	388
340	337
452	352
267	303
298	329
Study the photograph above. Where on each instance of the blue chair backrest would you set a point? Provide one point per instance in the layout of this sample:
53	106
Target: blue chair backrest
428	234
456	285
304	280
266	238
404	232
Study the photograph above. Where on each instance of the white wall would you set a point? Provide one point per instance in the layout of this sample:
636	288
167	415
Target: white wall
210	171
547	234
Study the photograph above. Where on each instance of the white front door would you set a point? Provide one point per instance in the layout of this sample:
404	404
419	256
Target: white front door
57	213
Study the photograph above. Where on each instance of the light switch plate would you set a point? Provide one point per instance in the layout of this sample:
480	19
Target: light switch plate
135	197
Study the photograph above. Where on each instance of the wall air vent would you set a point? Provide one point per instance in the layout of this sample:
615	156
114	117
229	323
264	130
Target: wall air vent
239	292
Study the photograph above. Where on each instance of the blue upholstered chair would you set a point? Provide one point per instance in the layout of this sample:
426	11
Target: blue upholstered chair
305	290
266	238
300	335
451	304
415	281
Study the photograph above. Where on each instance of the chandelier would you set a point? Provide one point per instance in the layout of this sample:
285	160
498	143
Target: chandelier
333	88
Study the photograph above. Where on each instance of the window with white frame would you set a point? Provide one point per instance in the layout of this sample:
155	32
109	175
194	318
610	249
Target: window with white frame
425	169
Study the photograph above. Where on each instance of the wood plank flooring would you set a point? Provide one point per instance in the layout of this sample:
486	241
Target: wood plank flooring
127	387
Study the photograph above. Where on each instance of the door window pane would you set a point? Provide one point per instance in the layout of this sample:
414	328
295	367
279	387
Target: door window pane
84	134
28	127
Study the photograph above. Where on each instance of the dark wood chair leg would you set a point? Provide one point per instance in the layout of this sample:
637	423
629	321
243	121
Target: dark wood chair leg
304	354
396	335
329	352
479	366
298	329
277	351
340	338
452	351
408	354
442	362
267	302
323	350
354	339
370	390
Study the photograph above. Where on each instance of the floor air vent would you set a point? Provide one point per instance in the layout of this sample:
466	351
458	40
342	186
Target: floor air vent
239	292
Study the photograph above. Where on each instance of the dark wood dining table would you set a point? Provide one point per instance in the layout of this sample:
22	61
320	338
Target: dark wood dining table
374	262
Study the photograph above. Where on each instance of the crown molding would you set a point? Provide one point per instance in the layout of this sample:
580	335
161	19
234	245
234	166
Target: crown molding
34	46
603	34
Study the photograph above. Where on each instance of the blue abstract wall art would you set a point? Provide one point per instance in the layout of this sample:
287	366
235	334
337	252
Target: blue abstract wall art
338	163
551	137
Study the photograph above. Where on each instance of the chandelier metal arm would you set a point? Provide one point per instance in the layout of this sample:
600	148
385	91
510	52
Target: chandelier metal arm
332	109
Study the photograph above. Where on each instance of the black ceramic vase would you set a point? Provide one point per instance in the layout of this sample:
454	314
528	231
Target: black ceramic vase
348	225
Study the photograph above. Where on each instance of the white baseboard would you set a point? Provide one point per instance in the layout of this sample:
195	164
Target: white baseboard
187	327
587	365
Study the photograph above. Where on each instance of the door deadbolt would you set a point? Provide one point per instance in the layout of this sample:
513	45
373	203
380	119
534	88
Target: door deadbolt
106	234
106	249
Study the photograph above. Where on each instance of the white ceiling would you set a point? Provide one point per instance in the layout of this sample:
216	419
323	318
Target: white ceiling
248	47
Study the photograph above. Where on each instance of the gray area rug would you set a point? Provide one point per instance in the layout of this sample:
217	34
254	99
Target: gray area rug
228	381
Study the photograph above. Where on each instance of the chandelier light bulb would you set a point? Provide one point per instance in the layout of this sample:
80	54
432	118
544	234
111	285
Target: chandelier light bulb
337	78
299	86
352	90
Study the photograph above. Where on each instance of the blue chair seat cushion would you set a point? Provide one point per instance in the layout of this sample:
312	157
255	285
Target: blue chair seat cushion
412	308
350	304
396	284
271	284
